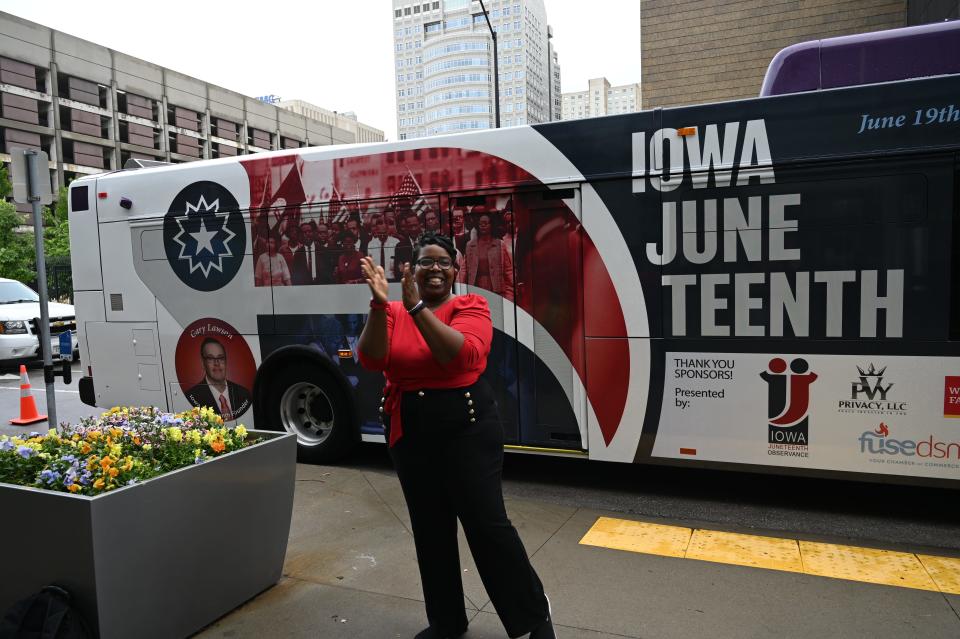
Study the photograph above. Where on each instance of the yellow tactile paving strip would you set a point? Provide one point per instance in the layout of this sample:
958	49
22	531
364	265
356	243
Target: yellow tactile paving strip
745	550
886	567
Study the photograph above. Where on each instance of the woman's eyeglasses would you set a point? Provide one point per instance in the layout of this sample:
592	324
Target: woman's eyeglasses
428	262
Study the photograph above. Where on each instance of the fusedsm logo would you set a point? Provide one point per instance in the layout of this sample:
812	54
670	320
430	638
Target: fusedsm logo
881	446
204	236
788	403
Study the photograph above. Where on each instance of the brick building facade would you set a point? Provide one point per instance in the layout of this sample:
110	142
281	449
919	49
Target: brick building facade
91	108
696	51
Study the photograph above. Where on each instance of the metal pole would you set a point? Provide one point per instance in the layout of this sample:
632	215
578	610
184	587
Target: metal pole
496	67
33	173
496	81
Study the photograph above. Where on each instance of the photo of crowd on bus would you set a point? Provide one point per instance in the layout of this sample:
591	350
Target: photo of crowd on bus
323	243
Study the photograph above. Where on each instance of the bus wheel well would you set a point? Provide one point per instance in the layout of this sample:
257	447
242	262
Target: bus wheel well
284	358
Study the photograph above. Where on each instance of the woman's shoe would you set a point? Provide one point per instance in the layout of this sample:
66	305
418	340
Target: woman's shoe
432	633
545	630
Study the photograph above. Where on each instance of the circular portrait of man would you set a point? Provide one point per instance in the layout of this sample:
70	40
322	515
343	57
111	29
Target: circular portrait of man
215	367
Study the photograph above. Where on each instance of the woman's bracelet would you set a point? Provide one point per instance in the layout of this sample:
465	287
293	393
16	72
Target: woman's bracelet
416	308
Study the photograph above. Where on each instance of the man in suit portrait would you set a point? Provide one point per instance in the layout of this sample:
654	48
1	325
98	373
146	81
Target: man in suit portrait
307	269
381	248
327	252
410	224
215	391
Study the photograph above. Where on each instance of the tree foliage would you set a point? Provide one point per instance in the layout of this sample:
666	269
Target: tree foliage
17	253
18	259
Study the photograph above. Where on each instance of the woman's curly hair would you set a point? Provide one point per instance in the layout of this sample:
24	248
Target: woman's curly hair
429	238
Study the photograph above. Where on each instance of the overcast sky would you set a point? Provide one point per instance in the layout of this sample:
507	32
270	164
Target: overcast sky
338	55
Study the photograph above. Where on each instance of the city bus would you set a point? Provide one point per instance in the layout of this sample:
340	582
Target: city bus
764	285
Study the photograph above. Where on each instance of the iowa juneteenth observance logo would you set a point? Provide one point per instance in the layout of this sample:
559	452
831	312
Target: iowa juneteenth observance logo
788	404
204	236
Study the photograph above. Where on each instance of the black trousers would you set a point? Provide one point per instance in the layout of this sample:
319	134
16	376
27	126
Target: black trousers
450	462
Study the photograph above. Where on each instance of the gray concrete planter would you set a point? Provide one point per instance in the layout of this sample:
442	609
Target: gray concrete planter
159	559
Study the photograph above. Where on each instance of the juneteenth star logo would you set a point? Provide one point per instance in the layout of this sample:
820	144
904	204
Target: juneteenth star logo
204	236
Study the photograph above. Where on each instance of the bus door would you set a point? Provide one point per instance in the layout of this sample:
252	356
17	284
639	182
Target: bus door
481	225
541	340
549	308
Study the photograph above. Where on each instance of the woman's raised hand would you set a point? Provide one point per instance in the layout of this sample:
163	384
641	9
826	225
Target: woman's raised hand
411	294
376	279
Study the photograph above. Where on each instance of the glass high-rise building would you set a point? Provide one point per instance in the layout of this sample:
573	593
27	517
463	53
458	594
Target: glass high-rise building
443	55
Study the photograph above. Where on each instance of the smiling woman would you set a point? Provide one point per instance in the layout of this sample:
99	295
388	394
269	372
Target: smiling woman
446	440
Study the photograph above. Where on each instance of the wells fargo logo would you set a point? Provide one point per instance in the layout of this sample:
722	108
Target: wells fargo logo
951	396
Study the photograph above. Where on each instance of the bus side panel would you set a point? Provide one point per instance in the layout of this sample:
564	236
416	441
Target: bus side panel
136	303
811	332
126	361
84	237
89	308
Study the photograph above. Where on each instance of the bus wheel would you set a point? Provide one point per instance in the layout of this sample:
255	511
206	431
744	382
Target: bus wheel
309	403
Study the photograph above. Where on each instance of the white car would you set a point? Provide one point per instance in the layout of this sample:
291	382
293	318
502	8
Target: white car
19	333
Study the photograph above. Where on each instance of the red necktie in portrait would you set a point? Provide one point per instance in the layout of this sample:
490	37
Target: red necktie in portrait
224	409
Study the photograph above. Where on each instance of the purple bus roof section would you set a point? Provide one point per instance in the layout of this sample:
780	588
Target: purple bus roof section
865	58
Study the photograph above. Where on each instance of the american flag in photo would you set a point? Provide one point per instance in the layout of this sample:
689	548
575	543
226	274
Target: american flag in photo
338	207
409	193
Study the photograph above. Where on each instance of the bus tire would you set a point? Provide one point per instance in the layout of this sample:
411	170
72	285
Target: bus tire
309	402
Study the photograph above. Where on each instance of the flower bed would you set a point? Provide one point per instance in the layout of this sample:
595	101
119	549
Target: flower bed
159	518
122	447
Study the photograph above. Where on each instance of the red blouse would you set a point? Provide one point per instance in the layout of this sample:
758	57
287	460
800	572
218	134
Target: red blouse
409	364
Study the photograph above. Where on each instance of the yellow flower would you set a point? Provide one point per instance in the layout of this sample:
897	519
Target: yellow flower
115	450
106	462
73	488
113	472
116	432
193	436
98	484
92	462
85	448
147	447
197	452
52	432
94	435
174	433
241	431
129	464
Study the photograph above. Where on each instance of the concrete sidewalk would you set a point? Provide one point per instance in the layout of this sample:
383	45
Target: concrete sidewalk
351	572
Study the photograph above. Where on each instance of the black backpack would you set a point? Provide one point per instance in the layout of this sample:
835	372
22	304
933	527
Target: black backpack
44	615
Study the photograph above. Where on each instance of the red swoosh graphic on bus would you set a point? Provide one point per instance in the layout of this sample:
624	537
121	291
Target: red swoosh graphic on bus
551	253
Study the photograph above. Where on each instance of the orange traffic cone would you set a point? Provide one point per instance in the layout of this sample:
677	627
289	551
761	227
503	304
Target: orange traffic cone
28	407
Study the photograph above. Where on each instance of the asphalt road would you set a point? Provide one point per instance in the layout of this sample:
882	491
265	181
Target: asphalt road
69	406
883	516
